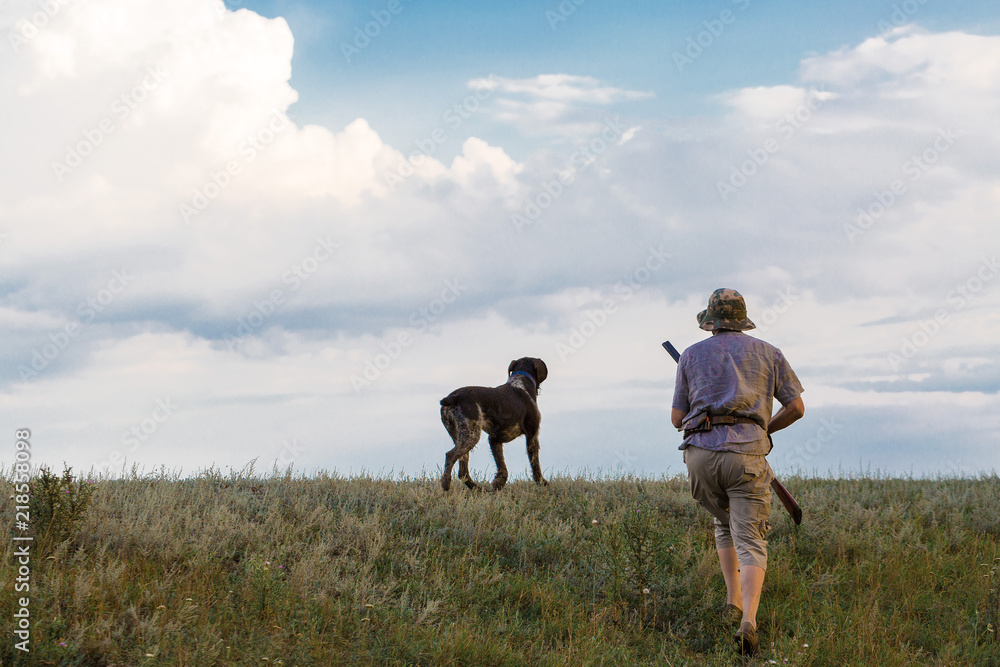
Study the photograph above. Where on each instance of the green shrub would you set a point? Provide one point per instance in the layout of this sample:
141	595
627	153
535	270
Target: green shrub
57	504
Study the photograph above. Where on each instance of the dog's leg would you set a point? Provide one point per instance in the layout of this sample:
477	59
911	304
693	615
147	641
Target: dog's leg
536	467
451	422
465	433
460	454
496	446
449	463
463	472
469	433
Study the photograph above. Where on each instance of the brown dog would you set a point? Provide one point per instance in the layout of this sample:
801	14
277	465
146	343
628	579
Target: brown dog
504	412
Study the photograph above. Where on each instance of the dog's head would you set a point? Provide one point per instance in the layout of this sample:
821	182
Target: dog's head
533	367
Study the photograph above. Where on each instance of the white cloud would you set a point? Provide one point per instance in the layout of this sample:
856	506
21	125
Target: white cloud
223	98
556	104
915	77
562	88
478	157
11	318
764	104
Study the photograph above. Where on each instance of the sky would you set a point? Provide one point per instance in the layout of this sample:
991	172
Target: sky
279	232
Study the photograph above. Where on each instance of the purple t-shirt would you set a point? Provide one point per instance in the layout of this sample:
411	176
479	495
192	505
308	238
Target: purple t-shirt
733	374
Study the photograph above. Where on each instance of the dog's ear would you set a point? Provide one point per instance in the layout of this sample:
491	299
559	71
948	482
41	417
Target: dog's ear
510	369
541	372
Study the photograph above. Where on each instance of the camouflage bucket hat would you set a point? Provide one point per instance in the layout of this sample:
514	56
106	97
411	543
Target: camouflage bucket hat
726	310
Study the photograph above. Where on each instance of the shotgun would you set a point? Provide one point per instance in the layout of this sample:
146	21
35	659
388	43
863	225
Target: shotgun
779	489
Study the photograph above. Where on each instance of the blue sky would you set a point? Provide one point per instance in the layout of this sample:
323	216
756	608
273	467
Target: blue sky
223	239
429	50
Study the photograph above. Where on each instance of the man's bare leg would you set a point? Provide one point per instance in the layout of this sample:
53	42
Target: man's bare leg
752	583
731	573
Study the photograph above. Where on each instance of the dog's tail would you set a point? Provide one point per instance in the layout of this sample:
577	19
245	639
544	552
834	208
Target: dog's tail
451	413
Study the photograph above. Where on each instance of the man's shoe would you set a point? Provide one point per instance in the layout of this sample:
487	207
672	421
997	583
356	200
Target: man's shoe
731	614
746	640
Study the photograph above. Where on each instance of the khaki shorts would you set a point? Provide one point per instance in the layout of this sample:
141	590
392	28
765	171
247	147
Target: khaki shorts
736	489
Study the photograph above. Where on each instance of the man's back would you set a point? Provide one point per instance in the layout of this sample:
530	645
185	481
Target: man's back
731	373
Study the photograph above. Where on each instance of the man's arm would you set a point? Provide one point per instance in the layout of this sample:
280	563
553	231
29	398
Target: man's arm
787	415
677	415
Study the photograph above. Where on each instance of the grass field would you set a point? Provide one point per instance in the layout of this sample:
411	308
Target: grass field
244	569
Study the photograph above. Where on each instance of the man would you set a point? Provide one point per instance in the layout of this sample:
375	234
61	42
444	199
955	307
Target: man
723	399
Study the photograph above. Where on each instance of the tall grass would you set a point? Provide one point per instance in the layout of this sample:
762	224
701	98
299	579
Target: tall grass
241	569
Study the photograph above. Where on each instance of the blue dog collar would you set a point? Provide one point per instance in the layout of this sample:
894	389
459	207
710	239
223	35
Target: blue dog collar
527	375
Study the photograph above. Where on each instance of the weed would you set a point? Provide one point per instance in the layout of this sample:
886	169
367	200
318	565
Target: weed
232	569
57	505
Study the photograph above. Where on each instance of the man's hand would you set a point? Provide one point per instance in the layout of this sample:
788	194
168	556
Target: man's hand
787	415
677	418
